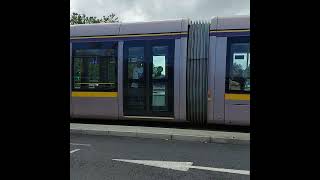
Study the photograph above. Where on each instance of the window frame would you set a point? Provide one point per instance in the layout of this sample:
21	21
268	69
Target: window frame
90	45
229	63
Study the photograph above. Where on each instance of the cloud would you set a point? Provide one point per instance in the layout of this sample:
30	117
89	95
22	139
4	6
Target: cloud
146	10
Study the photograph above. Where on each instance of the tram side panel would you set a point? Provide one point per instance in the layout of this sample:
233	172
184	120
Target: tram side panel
211	70
87	99
224	106
120	80
183	80
176	76
236	61
237	97
95	107
218	79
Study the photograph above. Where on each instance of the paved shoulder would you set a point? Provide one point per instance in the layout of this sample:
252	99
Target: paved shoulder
162	133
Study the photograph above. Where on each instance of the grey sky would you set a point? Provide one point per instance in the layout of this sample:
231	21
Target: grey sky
145	10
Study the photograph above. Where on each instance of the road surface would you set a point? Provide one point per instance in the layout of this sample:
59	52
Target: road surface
107	157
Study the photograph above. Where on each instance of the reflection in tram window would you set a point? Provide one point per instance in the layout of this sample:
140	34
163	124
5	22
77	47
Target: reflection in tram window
78	70
94	66
136	54
159	97
136	63
159	75
159	67
93	72
135	70
159	55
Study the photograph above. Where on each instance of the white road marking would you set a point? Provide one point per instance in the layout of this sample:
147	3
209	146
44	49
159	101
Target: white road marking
233	171
75	150
181	166
77	144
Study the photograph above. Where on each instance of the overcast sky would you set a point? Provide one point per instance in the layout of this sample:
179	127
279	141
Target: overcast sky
146	10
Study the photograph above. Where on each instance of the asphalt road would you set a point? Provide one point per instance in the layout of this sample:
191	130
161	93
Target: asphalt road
91	157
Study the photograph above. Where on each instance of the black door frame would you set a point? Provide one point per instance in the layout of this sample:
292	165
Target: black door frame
148	44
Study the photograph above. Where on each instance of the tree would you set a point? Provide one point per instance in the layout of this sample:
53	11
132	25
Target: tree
77	18
112	18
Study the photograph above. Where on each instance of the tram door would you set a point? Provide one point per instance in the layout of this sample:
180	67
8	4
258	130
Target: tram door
148	78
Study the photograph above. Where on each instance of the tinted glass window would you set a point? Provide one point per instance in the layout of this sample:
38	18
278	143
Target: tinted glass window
94	66
159	56
136	63
238	65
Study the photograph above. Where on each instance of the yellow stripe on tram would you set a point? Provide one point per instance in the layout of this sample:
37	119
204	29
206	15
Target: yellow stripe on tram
244	97
94	94
96	83
231	30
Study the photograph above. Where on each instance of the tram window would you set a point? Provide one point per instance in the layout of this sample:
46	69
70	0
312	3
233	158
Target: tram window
95	67
159	96
136	63
159	55
238	66
159	68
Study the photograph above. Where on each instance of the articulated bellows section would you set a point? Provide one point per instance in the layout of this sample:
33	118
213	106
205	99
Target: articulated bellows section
197	72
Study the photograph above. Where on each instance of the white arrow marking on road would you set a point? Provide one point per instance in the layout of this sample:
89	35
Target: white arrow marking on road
75	150
181	166
233	171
